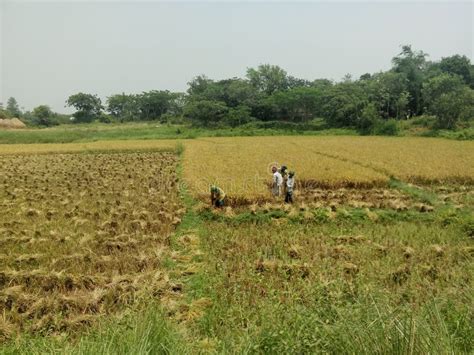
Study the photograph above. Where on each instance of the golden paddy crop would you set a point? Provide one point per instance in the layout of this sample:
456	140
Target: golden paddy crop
83	235
241	166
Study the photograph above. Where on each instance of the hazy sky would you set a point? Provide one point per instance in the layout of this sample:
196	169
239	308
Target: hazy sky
50	50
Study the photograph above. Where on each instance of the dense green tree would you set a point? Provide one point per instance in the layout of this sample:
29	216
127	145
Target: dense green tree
43	115
177	102
458	65
439	85
324	84
298	105
123	107
204	112
389	92
411	64
451	107
88	107
268	78
237	92
297	82
343	104
199	85
4	114
13	108
153	104
368	119
237	116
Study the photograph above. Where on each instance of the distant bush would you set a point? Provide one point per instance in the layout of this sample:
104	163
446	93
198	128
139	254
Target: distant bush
423	121
285	125
368	119
386	128
104	118
4	114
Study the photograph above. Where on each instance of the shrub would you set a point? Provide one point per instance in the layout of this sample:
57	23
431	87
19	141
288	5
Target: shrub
238	116
386	128
368	119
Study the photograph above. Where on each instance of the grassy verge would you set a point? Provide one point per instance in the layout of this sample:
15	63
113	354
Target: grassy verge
143	131
145	331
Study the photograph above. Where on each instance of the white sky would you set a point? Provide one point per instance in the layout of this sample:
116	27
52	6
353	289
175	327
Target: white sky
50	50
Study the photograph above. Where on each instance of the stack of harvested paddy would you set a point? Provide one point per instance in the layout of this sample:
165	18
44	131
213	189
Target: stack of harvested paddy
11	123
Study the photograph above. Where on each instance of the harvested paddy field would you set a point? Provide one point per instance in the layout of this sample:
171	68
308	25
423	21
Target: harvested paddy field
83	235
375	256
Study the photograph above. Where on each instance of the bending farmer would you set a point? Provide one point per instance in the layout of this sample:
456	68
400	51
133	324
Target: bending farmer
217	196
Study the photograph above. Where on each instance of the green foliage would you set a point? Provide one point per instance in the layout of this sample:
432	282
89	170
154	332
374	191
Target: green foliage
411	64
458	65
299	104
439	85
206	113
368	119
123	107
145	331
13	108
43	115
88	107
152	104
238	116
343	104
451	107
386	128
268	78
389	92
4	114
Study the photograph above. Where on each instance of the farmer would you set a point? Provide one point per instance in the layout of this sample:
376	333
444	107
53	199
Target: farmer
290	184
284	175
217	196
277	182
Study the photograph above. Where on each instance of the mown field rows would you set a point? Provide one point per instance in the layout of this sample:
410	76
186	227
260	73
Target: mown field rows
111	145
82	235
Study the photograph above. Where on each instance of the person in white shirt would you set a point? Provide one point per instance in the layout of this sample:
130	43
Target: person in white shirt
290	184
277	182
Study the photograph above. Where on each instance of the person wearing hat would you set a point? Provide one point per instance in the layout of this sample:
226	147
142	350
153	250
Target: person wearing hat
277	182
290	184
217	196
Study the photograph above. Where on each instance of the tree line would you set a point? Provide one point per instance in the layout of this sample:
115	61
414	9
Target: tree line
413	86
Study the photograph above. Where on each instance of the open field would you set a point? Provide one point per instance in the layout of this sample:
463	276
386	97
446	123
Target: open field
82	235
241	166
109	247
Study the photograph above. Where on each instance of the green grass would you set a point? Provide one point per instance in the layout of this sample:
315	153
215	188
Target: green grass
140	332
150	130
307	303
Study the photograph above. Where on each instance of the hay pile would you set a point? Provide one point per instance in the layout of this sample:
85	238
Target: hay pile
11	123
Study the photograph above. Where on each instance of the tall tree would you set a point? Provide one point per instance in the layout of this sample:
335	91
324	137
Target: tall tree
153	104
459	65
343	104
411	64
205	112
88	106
268	78
43	114
123	106
13	108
